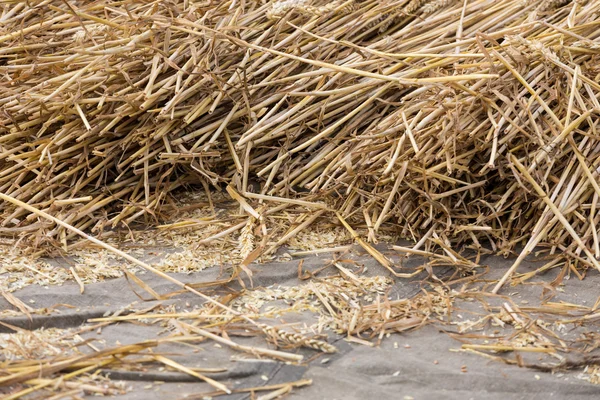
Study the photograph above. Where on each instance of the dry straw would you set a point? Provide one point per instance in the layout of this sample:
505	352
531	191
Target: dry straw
447	122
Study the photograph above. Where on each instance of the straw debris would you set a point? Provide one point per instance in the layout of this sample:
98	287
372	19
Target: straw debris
457	125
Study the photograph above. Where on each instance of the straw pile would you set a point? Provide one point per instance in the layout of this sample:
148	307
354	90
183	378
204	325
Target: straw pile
447	122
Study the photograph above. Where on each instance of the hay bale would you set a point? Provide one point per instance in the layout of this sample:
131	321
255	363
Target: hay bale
446	122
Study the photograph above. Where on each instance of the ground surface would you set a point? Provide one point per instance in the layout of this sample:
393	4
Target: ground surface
421	364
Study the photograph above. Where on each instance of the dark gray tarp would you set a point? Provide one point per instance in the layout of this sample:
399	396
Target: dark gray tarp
418	364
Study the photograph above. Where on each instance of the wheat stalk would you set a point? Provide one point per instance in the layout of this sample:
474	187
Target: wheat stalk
295	339
414	5
431	7
548	5
246	239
